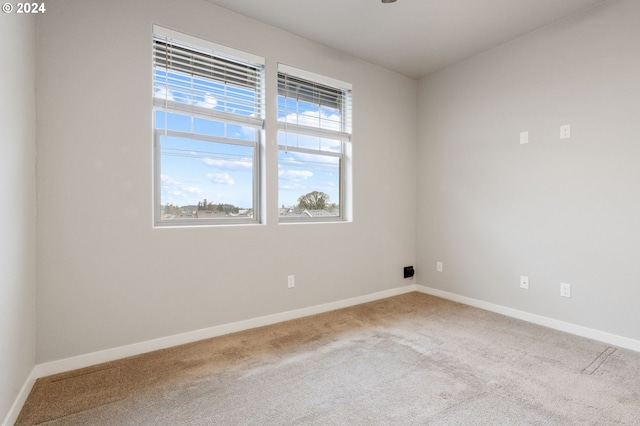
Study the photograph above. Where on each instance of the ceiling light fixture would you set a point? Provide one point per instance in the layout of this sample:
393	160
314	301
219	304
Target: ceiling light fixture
388	1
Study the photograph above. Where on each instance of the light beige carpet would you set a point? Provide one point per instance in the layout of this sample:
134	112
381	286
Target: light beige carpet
407	360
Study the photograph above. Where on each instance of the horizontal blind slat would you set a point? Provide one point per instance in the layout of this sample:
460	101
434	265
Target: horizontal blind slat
189	61
188	75
296	88
313	108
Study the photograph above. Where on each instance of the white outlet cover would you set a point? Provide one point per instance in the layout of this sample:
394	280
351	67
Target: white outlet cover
524	282
439	266
524	138
565	131
565	289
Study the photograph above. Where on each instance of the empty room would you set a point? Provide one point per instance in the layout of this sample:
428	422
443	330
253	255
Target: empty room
320	212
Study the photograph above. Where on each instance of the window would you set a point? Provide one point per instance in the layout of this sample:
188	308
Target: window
314	133
208	121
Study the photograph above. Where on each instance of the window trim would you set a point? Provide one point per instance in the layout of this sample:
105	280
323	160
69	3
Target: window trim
170	106
207	45
344	135
158	222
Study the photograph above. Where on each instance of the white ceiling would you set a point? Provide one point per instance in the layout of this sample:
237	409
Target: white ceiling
412	37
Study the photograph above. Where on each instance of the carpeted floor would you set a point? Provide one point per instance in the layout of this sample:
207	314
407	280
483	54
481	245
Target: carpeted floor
407	360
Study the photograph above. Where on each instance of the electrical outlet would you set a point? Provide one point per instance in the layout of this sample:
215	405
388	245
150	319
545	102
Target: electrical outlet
291	282
439	266
565	131
524	282
524	138
565	289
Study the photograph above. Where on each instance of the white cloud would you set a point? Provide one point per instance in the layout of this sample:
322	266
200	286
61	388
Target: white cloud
302	158
293	187
163	93
168	180
294	175
209	101
316	119
174	191
239	164
221	178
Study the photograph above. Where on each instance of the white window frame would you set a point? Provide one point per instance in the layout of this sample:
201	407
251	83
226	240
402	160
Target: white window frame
343	135
224	53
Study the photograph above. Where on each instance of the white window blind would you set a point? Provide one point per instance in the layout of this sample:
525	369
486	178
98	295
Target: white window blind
182	81
313	108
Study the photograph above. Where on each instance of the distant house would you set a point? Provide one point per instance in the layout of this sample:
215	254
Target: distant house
209	214
178	216
244	213
295	212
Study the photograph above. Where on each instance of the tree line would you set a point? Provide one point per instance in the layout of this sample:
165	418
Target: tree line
315	200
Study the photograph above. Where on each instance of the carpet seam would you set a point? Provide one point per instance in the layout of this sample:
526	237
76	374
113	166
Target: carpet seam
78	412
599	361
75	376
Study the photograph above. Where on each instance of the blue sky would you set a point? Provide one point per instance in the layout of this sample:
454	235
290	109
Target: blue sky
301	173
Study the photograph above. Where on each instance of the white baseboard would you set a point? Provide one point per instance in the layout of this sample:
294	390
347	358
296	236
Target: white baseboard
14	411
81	361
86	360
601	336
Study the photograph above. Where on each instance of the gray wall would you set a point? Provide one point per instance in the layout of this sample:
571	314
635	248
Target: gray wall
106	277
555	210
18	215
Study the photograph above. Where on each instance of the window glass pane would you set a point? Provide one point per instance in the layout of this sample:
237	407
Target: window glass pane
173	121
331	145
202	126
317	143
160	119
308	185
243	133
299	141
205	180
